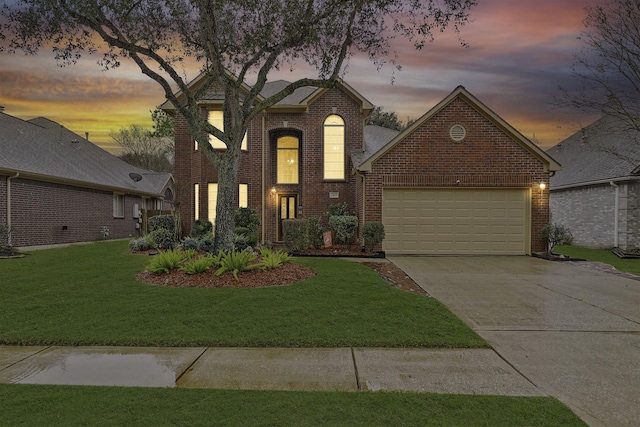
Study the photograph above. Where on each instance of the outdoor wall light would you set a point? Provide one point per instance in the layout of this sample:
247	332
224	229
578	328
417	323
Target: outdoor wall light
273	190
542	186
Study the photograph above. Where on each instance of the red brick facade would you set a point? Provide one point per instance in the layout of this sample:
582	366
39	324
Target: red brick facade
312	191
492	155
45	213
488	157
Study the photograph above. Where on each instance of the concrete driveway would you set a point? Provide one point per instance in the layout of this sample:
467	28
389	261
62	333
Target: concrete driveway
572	331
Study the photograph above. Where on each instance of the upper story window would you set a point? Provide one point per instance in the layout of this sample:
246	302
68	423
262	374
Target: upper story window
288	148
215	117
334	147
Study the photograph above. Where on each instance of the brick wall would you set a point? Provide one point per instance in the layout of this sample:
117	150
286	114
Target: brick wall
40	211
589	212
193	167
487	157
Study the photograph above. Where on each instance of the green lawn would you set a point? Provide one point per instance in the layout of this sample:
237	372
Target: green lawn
29	405
87	295
629	265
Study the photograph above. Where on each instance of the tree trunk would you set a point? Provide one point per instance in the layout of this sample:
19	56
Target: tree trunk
227	168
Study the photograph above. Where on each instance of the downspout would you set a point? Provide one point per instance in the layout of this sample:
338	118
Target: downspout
364	199
263	178
616	210
9	178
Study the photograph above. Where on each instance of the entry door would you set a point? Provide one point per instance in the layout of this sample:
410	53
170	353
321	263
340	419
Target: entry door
288	207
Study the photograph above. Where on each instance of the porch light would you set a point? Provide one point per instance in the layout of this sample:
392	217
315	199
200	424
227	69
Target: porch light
273	190
542	186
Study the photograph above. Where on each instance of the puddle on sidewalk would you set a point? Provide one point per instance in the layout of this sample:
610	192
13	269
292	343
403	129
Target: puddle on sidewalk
103	366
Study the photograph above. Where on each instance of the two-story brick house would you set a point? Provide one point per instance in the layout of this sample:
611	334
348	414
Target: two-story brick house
460	180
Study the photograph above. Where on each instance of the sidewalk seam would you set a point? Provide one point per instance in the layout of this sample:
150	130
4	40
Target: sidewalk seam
190	365
355	368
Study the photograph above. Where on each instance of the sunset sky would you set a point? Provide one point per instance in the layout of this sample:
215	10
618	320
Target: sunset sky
519	52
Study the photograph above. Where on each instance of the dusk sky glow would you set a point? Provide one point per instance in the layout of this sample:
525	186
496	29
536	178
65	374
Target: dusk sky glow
519	52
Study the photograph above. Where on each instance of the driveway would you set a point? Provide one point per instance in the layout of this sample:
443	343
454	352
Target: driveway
572	331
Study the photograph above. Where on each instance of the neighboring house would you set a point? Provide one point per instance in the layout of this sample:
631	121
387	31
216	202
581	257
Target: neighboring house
597	193
460	180
57	188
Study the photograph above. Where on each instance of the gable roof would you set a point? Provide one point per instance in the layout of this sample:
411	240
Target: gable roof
301	98
606	150
461	92
45	150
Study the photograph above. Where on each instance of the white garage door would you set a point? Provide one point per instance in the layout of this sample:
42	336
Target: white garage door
456	221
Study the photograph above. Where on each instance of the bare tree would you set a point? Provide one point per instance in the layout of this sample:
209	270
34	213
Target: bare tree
608	67
233	40
141	148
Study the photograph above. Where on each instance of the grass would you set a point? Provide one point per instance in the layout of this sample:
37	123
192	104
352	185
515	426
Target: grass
87	295
106	406
629	265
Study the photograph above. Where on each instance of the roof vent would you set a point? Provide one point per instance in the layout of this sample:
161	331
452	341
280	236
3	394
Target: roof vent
457	133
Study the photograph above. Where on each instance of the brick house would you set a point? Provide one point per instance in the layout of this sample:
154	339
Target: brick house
460	180
58	188
597	193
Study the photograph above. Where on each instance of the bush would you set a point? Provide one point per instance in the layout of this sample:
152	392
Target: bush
166	261
236	262
240	242
201	228
247	217
199	265
555	234
189	243
161	239
295	233
206	245
139	245
372	233
274	259
167	222
339	209
344	226
315	232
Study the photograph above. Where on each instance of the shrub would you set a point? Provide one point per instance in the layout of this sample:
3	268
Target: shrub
201	228
274	259
295	233
240	242
189	243
199	265
315	232
167	222
247	217
166	261
372	233
339	209
344	226
206	245
189	254
138	245
236	262
161	239
6	248
555	234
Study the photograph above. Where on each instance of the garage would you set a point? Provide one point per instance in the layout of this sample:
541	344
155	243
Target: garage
456	221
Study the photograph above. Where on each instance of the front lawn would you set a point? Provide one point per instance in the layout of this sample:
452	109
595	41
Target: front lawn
107	406
87	295
630	265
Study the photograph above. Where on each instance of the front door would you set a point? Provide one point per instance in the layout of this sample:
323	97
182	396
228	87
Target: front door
287	207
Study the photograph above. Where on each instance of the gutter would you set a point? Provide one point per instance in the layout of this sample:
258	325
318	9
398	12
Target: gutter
9	178
598	182
263	183
616	211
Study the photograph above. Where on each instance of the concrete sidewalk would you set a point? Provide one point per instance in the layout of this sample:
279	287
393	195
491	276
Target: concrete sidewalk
478	371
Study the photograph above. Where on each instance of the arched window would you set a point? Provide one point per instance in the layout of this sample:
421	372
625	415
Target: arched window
334	147
288	147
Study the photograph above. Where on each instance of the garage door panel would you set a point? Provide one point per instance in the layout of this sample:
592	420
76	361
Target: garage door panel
456	221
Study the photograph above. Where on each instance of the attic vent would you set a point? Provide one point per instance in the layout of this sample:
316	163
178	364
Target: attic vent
457	133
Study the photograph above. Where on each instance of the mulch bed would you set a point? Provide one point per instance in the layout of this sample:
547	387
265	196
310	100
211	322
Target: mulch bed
286	274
